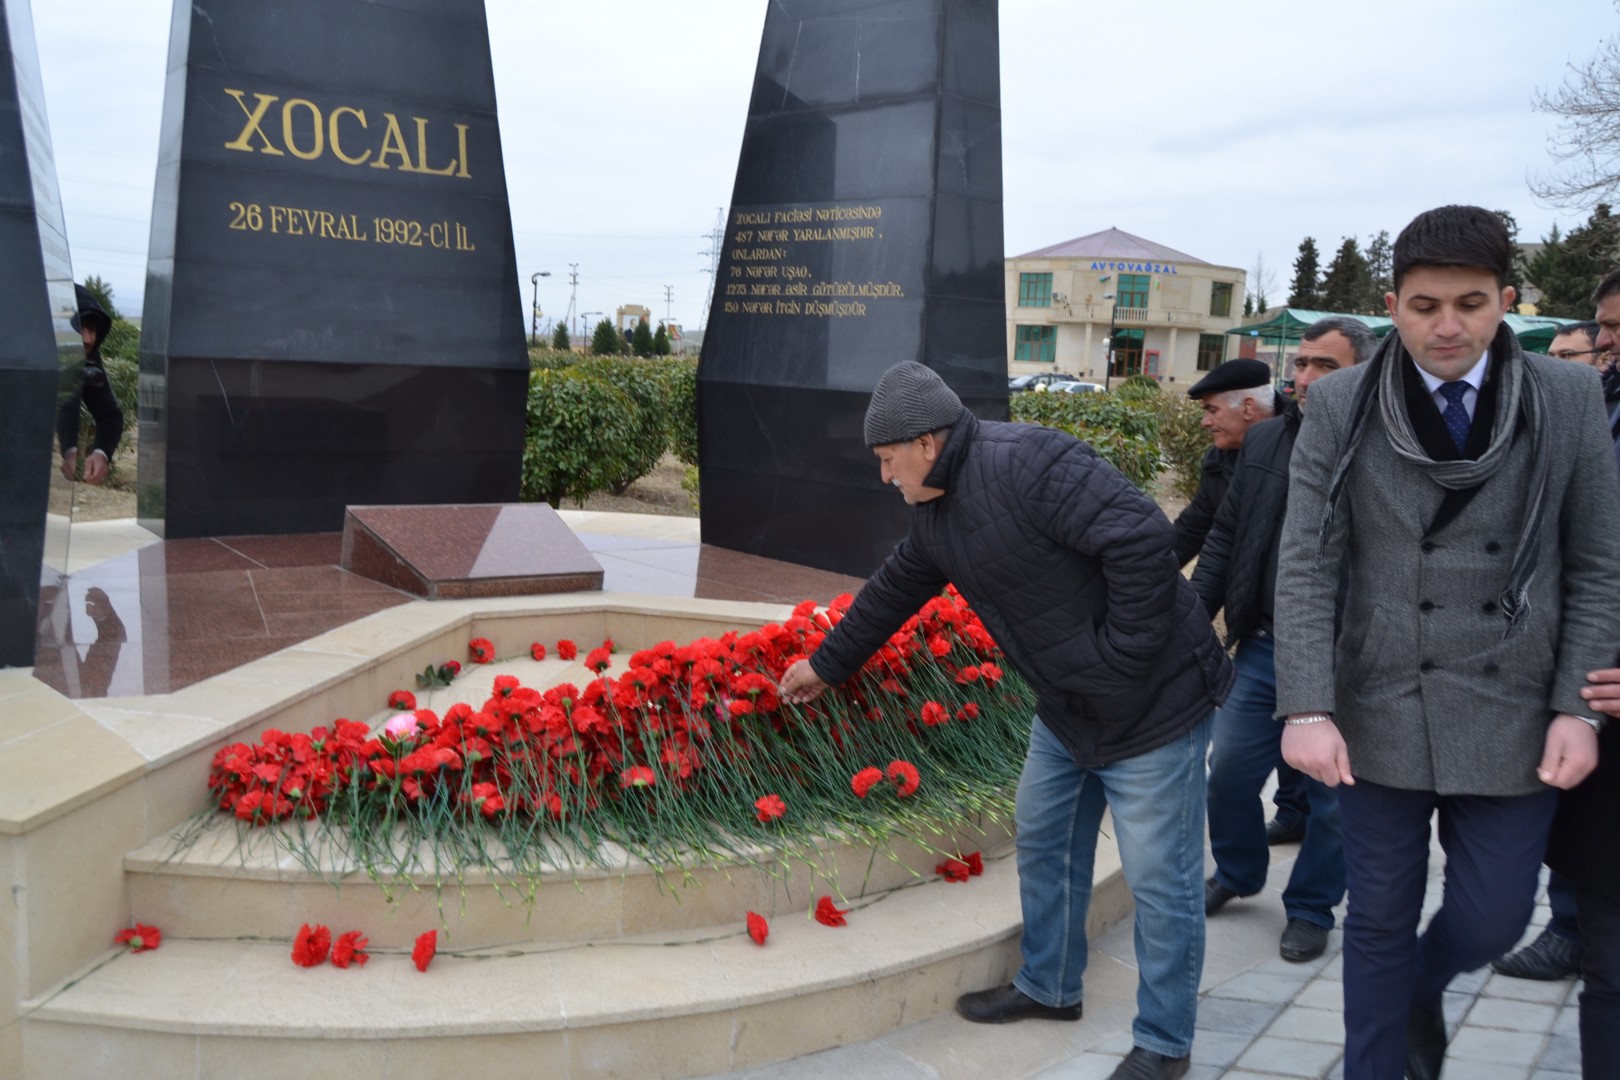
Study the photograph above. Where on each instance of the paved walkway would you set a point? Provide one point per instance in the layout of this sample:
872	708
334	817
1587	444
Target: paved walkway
1259	1017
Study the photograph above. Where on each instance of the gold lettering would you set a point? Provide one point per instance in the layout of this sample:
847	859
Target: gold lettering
393	143
255	116
461	141
287	129
421	151
332	134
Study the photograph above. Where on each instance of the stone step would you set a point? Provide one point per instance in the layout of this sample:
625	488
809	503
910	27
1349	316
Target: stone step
222	884
674	1003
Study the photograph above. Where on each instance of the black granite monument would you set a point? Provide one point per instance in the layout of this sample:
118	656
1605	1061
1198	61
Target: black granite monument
332	311
865	229
36	339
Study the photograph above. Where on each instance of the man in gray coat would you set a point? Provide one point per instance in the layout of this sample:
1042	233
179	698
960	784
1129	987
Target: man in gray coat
1463	495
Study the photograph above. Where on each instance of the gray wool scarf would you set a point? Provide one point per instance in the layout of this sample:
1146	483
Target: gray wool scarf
1519	394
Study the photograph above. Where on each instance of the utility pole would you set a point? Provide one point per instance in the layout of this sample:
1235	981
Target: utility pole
573	291
669	298
715	238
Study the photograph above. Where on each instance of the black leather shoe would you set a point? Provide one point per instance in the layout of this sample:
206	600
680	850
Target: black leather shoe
1216	895
1425	1043
1302	941
1282	832
1549	957
1005	1004
1142	1064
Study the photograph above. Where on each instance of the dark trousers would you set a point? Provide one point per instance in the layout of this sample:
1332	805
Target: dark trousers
1600	1000
1493	849
1561	893
1292	799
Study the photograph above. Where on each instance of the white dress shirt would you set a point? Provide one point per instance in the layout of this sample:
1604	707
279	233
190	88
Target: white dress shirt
1474	377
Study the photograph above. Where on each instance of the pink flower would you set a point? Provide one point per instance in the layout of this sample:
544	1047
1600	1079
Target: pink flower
403	726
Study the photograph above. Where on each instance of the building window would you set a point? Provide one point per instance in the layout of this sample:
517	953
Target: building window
1220	299
1127	347
1211	347
1034	290
1133	290
1036	343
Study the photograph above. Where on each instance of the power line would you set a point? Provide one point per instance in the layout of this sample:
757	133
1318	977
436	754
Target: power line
714	238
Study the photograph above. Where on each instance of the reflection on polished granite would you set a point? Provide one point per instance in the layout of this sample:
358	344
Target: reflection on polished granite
169	614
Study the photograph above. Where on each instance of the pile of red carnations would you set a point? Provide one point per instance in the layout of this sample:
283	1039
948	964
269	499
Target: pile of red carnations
688	751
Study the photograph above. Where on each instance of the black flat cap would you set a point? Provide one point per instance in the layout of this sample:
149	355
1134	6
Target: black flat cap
910	400
1240	374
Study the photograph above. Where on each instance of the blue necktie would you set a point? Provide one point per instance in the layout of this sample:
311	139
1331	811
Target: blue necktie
1455	414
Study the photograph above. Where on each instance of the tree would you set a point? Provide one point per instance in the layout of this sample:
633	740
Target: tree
605	340
103	292
1347	282
1380	271
1586	141
1248	304
661	341
559	338
1262	283
642	341
1305	290
1569	267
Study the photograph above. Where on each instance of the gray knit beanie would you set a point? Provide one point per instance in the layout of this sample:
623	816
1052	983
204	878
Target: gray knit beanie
910	400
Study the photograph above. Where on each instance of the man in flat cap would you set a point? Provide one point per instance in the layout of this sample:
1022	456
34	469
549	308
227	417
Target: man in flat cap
1236	396
1237	571
1071	569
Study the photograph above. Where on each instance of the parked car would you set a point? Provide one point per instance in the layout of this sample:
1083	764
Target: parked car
1042	379
1075	387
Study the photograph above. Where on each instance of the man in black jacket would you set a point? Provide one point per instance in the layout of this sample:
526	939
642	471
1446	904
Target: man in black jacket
88	384
1071	570
1238	571
1235	396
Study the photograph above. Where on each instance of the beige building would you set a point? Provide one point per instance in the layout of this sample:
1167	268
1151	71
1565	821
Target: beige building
1169	312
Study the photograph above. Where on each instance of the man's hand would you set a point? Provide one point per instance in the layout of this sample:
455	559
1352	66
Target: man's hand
801	684
1571	752
70	465
95	467
1318	751
1604	693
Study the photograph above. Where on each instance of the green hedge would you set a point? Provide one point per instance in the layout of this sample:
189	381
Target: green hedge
640	381
577	437
680	387
1124	431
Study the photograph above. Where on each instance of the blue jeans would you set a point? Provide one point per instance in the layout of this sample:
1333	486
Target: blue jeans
1247	746
1157	799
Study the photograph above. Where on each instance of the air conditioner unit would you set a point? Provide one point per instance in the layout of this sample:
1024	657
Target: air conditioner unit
1061	298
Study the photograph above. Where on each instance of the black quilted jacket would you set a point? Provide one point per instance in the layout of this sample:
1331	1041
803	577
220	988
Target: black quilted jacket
1070	568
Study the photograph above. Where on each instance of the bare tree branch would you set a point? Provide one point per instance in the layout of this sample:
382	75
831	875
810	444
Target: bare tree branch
1586	141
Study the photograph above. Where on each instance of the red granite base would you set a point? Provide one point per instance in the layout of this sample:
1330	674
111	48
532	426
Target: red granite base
462	552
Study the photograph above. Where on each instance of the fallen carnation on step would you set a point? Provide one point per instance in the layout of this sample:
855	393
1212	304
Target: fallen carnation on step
482	650
311	945
566	649
953	870
538	651
758	928
426	946
828	914
350	948
140	937
402	699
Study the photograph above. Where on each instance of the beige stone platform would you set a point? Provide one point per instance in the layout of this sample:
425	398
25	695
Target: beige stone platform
606	976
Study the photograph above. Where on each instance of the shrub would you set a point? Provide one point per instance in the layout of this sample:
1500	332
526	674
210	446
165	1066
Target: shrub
661	341
560	340
1139	388
543	357
1183	439
680	398
649	417
606	341
642	340
575	437
1124	432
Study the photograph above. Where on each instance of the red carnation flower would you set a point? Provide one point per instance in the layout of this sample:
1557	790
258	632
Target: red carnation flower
758	928
968	674
426	946
140	937
567	650
311	945
953	870
637	776
975	863
991	672
863	781
483	651
538	651
598	659
402	699
770	808
827	914
934	714
970	711
904	775
453	667
350	948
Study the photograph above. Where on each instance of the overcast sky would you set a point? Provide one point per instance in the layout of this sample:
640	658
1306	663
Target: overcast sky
1223	130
